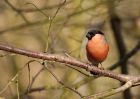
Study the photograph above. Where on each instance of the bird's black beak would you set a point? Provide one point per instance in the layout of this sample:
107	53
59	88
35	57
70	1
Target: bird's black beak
89	36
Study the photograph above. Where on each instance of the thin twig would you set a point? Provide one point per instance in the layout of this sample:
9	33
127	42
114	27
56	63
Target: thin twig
28	10
59	81
83	82
50	25
19	12
17	87
15	78
36	23
34	78
79	71
36	89
12	80
39	9
76	68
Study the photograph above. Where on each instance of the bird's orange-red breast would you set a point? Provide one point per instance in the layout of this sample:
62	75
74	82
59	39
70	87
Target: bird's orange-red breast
97	47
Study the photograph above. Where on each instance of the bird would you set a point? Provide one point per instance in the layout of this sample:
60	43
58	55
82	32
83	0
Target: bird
97	47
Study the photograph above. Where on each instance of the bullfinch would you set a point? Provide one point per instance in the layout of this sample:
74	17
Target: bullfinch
97	47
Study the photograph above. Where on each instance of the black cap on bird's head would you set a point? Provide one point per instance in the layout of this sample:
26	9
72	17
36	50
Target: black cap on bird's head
92	33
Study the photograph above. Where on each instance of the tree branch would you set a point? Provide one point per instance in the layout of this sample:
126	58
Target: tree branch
66	60
126	57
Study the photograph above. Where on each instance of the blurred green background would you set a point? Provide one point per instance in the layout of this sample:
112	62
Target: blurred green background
55	26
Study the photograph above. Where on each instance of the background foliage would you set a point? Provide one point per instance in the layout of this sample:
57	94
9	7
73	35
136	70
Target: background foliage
57	26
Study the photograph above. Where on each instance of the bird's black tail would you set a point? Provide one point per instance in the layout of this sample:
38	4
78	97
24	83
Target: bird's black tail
94	64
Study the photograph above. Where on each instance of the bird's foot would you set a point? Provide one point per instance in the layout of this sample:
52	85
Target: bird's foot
101	67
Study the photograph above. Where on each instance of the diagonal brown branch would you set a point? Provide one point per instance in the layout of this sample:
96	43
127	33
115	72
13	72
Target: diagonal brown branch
126	57
110	92
66	60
